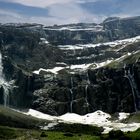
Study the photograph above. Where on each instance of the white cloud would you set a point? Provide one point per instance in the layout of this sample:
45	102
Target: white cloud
40	3
58	12
46	3
85	1
74	13
59	16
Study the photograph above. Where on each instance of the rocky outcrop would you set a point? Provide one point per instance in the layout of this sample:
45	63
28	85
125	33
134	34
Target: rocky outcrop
113	88
108	90
111	29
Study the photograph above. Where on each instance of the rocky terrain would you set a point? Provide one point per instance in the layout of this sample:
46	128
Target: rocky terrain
78	68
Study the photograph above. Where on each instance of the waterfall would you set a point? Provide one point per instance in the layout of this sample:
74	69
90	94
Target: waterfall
88	81
4	84
133	85
71	80
71	103
71	92
6	94
86	95
86	90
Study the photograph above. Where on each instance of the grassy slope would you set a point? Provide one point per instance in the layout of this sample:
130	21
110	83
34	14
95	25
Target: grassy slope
12	118
14	125
28	134
128	60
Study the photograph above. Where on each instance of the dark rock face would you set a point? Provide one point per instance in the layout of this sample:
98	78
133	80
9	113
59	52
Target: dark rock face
110	89
1	95
111	29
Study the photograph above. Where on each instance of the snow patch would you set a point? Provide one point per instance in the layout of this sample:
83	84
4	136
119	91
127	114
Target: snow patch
49	126
82	66
111	44
95	29
102	64
55	70
98	118
123	116
43	40
61	63
39	115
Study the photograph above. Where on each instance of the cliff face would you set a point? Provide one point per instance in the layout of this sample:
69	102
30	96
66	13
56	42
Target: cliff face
79	78
109	30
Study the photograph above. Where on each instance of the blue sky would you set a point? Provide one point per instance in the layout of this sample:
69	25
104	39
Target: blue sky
51	12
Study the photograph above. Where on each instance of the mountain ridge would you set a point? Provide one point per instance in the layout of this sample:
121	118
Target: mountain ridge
60	71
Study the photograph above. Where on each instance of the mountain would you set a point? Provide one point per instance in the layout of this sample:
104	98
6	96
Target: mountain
78	68
111	29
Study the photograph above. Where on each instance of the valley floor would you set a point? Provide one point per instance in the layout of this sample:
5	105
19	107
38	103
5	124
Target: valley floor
9	133
17	126
29	134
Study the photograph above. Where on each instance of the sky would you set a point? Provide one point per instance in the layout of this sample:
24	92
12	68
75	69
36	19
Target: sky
50	12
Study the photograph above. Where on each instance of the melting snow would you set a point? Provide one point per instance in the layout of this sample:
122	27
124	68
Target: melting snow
39	115
96	28
54	70
82	66
98	118
123	116
112	44
86	66
43	40
50	125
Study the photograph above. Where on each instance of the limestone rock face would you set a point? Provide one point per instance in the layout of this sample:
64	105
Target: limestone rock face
110	92
70	73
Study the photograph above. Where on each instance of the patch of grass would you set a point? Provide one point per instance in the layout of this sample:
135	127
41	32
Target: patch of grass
79	128
134	117
28	134
12	118
134	135
128	60
8	133
132	58
115	65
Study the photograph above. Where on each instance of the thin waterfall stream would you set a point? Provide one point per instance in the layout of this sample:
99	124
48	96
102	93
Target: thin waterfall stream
71	92
86	90
133	85
4	84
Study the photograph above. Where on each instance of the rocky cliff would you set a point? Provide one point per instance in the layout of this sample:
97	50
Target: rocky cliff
61	69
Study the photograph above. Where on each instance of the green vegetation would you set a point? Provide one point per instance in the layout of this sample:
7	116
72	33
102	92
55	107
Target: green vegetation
28	134
128	60
79	128
135	117
17	126
13	118
133	58
115	65
134	135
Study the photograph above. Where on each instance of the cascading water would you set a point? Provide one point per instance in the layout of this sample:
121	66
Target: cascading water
71	92
86	90
88	81
71	80
86	96
71	103
133	85
4	84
